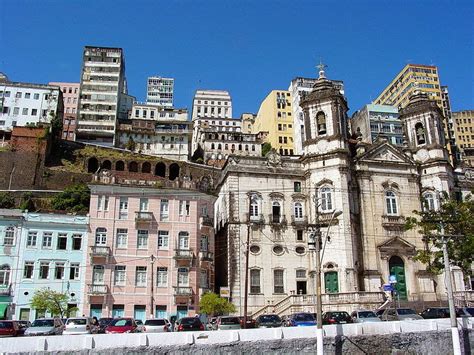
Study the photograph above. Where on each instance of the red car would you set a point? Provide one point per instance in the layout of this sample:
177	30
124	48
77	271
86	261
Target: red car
121	325
9	328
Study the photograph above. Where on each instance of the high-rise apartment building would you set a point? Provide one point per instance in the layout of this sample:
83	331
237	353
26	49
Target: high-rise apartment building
464	133
275	116
102	86
374	121
160	91
417	77
70	100
212	104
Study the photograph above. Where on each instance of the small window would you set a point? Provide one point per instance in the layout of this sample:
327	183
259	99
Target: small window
278	249
62	241
278	281
254	281
254	249
297	186
299	235
300	250
76	241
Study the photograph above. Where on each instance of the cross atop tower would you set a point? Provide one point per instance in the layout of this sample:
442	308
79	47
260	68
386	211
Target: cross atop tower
321	68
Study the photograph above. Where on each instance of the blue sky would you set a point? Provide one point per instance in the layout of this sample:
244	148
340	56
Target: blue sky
246	47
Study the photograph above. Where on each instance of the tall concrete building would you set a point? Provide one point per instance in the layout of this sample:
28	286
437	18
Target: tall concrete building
212	104
424	78
377	121
275	117
299	87
464	133
103	87
70	100
160	91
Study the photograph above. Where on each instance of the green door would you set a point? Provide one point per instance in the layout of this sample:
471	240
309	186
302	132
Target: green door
330	282
400	286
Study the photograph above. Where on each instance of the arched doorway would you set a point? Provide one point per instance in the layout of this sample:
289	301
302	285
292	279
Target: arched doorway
397	268
133	167
146	167
92	165
106	164
160	169
174	171
120	165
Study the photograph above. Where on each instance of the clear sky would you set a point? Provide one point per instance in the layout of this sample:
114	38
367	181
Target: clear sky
246	47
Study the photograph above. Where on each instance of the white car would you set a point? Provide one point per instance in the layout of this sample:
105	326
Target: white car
157	325
46	326
81	325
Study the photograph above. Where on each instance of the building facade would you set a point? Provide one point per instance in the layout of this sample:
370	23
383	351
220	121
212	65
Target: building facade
275	116
160	91
24	104
151	252
377	121
425	78
102	85
159	131
47	251
357	195
212	104
464	132
70	102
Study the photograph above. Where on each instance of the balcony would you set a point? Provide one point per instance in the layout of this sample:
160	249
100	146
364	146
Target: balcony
207	221
299	222
276	220
206	255
143	218
183	254
183	291
325	218
5	290
393	222
97	290
100	251
256	220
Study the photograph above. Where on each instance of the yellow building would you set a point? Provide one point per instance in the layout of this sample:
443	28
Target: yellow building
464	132
425	78
275	117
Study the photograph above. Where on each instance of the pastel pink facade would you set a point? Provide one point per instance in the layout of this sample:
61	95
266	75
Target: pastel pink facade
151	251
71	98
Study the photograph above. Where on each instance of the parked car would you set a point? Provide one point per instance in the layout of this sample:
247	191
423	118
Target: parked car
24	324
187	324
9	328
268	321
157	325
435	312
121	325
391	314
80	325
225	323
46	326
103	323
301	320
465	312
336	317
140	326
364	317
250	322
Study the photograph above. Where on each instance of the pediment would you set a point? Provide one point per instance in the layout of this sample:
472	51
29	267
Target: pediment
387	153
396	246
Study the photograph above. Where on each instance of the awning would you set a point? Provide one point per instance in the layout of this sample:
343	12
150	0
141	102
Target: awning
3	310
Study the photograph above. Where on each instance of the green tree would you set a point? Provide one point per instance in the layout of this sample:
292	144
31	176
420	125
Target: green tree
27	202
130	144
213	305
56	303
6	200
266	147
74	198
453	218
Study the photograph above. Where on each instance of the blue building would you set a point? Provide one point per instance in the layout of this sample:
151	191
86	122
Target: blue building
10	238
52	254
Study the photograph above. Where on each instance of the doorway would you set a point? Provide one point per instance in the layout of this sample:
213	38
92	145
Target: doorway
301	287
331	282
397	268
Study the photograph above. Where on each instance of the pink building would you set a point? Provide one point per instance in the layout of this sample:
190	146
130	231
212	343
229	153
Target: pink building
71	99
150	249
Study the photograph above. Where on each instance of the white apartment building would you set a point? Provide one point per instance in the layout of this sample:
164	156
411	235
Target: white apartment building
298	88
160	91
214	125
212	104
102	87
23	104
155	130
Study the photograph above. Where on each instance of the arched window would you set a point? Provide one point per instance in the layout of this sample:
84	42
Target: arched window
276	212
219	146
106	164
254	207
321	123
298	210
120	165
213	146
420	133
326	199
5	275
391	202
429	203
226	146
101	236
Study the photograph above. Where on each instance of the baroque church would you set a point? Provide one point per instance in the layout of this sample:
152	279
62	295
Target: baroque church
358	193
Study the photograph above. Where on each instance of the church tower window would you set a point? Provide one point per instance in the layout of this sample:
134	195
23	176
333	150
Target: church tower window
321	123
391	201
326	199
420	133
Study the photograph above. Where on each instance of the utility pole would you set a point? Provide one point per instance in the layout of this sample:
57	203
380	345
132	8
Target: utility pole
152	260
247	251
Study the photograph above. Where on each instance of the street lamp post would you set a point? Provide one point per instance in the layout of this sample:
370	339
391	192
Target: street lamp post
152	260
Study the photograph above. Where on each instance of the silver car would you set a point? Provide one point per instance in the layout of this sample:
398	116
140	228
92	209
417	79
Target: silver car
364	317
157	325
399	314
80	325
46	326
